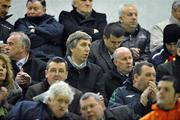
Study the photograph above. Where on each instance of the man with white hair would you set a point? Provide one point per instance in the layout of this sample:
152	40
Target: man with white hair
55	106
136	38
157	30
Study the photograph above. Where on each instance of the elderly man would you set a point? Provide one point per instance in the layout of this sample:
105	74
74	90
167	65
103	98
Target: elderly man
168	103
136	38
56	70
5	27
83	18
102	50
55	106
123	62
139	92
157	30
83	74
27	69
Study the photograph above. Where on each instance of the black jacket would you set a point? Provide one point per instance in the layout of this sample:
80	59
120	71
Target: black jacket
99	55
74	21
5	28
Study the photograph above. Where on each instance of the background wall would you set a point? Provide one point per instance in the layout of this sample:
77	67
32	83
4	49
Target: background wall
150	11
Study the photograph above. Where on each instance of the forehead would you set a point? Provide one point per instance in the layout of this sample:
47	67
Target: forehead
89	100
2	61
5	2
130	9
61	98
14	38
57	65
146	69
167	84
81	41
34	3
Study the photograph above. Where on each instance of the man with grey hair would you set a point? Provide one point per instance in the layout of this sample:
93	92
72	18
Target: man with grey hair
83	17
170	68
157	30
136	38
23	62
83	75
55	106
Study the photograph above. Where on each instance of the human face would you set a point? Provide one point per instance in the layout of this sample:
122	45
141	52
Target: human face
124	62
91	109
3	70
84	6
112	43
14	47
176	13
56	71
129	18
166	97
147	74
171	47
80	53
58	105
35	9
4	7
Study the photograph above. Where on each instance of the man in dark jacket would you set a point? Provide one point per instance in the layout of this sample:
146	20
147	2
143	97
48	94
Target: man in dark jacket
167	52
27	69
5	27
83	74
172	68
43	30
123	61
136	38
56	70
54	107
139	92
83	18
102	50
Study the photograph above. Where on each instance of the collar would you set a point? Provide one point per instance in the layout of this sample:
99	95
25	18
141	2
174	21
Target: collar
5	18
172	19
22	61
81	66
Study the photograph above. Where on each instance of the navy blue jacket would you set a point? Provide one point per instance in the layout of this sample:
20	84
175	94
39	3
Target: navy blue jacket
29	110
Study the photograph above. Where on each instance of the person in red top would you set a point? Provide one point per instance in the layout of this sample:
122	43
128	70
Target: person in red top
168	102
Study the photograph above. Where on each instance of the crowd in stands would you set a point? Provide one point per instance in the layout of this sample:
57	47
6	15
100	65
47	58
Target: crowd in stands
83	68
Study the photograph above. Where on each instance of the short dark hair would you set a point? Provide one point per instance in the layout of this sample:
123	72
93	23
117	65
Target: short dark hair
176	84
57	60
138	67
43	2
114	29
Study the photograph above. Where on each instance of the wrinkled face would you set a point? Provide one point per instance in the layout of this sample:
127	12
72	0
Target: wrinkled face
129	18
14	46
59	105
56	71
176	13
171	47
35	9
84	6
4	7
124	62
3	70
112	43
91	109
147	74
166	96
80	52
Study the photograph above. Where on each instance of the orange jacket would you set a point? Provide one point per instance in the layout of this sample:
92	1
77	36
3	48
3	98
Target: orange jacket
158	114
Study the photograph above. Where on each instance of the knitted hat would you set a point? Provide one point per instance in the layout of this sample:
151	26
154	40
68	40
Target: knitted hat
77	35
171	33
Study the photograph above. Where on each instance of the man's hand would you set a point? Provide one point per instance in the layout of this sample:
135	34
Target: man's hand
23	78
153	90
136	53
3	93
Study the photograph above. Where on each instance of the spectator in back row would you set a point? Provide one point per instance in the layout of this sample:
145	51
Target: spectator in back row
83	74
136	38
157	30
84	18
102	50
43	30
5	27
167	52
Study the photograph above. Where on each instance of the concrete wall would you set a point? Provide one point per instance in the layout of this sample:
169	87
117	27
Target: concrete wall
150	11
